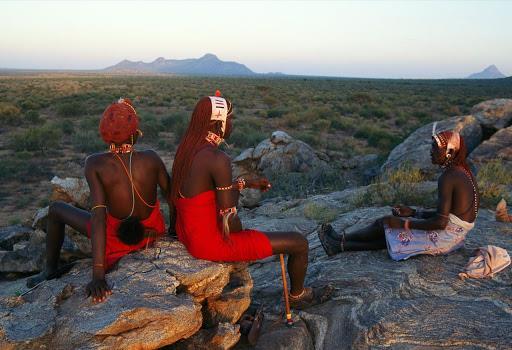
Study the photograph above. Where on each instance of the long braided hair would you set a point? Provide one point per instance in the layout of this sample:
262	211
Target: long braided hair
199	126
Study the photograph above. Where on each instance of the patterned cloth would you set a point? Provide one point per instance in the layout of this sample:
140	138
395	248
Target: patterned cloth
402	244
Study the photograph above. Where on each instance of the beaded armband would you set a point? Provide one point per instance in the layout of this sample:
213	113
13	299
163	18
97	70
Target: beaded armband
227	188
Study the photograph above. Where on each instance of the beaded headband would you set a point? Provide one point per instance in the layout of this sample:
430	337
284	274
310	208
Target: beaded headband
452	143
220	109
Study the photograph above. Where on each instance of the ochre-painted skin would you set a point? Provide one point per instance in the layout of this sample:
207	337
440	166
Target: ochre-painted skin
212	168
108	185
455	195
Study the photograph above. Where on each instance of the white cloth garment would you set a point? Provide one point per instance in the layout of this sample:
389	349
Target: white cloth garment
487	262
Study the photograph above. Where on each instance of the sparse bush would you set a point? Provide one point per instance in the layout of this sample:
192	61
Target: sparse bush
69	109
494	183
40	139
275	113
404	185
87	141
177	123
319	213
33	117
150	126
9	113
377	137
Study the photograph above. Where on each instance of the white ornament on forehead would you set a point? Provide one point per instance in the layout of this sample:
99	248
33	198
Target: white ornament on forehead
219	110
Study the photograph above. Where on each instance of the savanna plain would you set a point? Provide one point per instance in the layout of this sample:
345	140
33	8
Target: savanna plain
49	123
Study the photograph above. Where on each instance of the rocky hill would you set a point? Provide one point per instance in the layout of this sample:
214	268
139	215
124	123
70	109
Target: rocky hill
491	72
164	298
208	64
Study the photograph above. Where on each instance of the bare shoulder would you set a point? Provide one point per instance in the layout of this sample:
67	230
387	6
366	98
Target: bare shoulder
215	157
150	154
95	160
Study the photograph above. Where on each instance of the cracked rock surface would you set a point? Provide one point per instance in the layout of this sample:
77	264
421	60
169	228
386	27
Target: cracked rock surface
159	297
379	303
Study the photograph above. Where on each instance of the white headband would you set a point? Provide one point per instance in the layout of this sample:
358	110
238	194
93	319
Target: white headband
453	144
219	110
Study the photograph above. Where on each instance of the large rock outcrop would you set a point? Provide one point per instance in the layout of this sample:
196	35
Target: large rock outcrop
497	148
160	295
379	303
489	120
279	154
494	114
415	150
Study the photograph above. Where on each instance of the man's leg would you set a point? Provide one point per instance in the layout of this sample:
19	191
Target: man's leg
59	214
297	248
371	237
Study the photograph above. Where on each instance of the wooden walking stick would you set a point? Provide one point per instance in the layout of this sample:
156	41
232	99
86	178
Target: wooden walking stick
289	321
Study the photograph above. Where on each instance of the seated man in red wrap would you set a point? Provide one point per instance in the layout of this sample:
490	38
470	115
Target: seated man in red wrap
205	199
125	214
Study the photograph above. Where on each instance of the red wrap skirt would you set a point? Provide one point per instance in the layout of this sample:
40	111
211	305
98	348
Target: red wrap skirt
115	249
198	226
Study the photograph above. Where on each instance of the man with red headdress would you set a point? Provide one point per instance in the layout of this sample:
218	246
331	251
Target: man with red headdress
125	214
430	232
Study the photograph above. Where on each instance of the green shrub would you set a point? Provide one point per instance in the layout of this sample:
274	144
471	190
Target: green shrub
377	137
9	113
177	123
40	139
494	183
150	126
275	113
69	109
404	185
319	213
33	117
245	135
87	141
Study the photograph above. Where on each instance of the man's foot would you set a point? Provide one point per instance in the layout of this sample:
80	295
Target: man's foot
501	212
310	297
35	280
331	242
44	275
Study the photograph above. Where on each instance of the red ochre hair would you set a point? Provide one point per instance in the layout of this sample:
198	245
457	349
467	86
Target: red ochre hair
119	122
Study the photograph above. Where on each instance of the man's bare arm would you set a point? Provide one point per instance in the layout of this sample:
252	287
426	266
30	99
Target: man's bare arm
220	170
98	288
439	220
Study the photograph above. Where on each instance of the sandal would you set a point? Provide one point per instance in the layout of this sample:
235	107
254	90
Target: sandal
251	325
331	242
311	296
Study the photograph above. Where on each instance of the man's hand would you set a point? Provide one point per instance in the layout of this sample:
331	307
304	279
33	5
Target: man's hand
402	211
261	184
98	289
393	222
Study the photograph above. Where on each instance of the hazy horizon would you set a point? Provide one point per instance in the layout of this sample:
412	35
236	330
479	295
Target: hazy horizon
392	39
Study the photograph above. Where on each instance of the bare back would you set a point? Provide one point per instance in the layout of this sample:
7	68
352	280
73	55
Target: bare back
200	178
457	192
148	171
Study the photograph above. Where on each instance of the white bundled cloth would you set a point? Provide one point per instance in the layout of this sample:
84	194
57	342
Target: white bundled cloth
489	260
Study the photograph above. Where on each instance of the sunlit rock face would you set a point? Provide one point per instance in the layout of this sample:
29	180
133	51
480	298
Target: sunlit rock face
160	296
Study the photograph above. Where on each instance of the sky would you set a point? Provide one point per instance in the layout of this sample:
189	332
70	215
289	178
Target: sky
377	39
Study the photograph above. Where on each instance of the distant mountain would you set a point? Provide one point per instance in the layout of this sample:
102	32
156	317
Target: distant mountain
209	64
491	72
